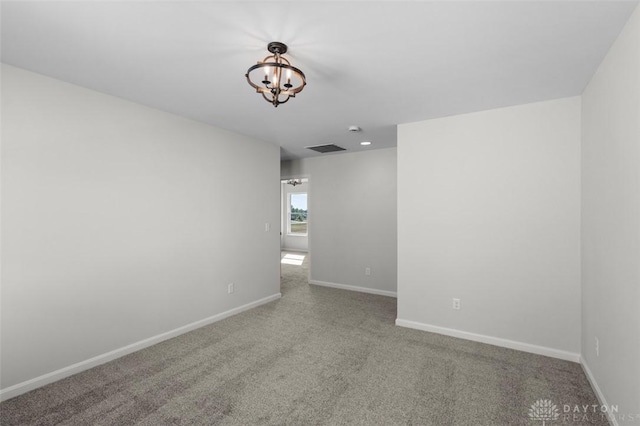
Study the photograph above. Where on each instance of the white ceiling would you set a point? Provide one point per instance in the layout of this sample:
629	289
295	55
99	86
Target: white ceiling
372	64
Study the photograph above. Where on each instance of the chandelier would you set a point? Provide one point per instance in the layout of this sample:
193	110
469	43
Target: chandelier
274	77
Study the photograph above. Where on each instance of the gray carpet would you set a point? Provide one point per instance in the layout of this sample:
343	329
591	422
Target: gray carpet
317	356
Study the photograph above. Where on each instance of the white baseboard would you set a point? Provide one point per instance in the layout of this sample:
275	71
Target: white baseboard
294	250
355	288
496	341
594	385
54	376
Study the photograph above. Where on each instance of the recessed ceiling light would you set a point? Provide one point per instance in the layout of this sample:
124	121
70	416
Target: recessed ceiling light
365	143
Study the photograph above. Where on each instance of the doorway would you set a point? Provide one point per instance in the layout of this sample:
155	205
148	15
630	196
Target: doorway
294	214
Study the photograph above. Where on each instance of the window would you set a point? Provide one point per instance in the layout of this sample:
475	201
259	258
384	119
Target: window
297	214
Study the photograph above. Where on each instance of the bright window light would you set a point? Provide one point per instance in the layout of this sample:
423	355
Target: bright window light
297	221
293	259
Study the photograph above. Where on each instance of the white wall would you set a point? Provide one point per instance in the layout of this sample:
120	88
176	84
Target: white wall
352	225
611	222
489	212
292	242
121	222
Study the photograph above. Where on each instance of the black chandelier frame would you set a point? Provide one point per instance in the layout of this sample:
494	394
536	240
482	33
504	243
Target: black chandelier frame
272	89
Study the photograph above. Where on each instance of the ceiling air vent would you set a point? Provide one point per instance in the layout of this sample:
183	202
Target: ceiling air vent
326	148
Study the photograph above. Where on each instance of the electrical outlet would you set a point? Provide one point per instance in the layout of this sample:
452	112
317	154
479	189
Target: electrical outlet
231	288
456	304
367	271
597	347
267	227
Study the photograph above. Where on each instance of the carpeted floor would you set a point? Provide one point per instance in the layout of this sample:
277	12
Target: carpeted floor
317	356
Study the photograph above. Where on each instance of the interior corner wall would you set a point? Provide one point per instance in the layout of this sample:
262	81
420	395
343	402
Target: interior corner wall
489	212
352	218
121	222
611	224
